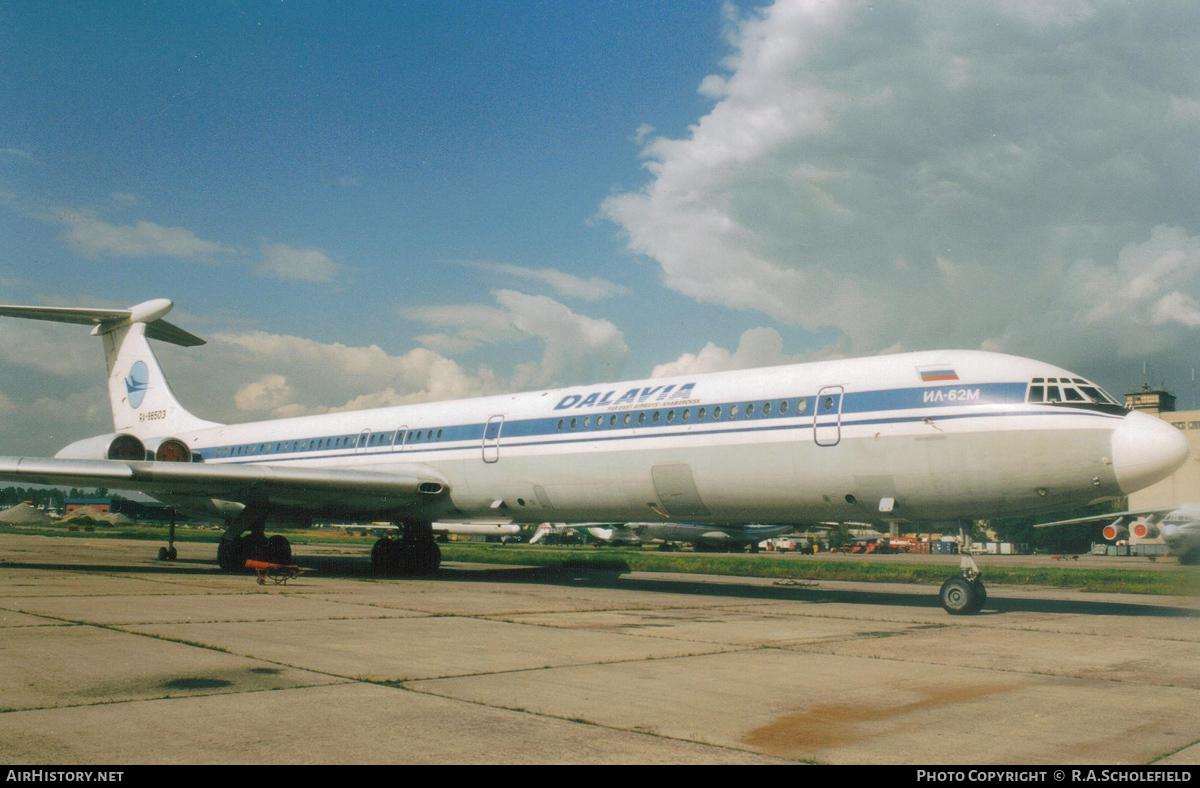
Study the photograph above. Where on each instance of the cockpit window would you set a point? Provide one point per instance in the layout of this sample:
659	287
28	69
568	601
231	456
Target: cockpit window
1071	392
1097	394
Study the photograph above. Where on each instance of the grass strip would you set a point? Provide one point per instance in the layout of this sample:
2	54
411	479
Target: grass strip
1166	582
1184	581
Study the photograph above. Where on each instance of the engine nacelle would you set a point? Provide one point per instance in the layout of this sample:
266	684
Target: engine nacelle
121	446
1144	530
170	450
114	446
1115	533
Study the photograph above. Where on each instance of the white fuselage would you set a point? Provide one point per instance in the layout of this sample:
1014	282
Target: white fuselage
919	436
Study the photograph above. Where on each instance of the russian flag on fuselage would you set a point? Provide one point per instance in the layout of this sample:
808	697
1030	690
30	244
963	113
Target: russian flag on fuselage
937	372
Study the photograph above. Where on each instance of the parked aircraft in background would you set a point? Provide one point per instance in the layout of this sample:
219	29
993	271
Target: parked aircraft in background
931	437
1179	528
704	537
492	529
499	530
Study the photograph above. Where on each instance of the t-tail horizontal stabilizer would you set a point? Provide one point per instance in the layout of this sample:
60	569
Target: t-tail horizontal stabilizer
108	320
142	401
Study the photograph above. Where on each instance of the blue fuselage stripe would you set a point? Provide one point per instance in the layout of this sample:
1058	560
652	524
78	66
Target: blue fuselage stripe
833	411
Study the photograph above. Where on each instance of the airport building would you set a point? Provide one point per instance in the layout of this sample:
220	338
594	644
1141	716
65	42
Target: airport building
1183	486
135	510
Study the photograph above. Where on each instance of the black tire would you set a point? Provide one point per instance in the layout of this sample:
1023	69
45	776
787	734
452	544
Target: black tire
231	555
980	592
162	554
385	558
428	559
279	550
961	597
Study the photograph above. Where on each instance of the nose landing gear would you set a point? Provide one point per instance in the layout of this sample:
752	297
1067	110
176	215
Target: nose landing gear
964	595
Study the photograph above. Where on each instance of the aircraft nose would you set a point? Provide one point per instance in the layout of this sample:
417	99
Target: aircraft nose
1144	450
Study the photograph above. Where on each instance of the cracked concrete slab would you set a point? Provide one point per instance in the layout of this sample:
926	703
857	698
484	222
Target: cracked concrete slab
112	657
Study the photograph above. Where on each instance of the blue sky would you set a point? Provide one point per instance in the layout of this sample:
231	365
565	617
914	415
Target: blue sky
374	203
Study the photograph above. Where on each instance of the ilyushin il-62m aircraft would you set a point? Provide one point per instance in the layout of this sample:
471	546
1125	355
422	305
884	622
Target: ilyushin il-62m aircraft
931	437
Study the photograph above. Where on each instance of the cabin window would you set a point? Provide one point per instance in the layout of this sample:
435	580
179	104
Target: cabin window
625	421
642	418
700	414
750	410
587	422
716	413
612	420
733	411
783	406
828	404
1037	393
766	409
687	413
670	416
439	434
801	406
560	425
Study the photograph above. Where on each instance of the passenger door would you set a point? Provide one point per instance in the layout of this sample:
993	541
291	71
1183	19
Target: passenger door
827	416
491	439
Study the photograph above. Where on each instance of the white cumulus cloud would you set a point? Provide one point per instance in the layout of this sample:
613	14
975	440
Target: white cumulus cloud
91	235
914	175
297	265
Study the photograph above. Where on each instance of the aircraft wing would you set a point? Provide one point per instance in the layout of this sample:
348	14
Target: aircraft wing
1112	517
315	492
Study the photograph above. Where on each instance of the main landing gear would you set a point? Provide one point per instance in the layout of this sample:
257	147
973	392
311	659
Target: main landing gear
245	540
232	554
414	554
169	553
964	595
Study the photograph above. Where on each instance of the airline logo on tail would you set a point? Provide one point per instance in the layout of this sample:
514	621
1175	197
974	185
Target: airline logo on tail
137	384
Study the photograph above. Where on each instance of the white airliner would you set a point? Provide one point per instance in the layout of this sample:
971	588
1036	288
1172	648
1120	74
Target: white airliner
1178	526
933	436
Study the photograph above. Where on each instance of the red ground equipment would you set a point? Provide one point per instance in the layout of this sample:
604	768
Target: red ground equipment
278	573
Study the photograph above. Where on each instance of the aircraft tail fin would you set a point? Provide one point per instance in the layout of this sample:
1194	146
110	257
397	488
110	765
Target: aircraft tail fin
141	399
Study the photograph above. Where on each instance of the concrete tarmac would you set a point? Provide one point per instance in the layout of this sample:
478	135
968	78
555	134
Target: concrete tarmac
108	656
